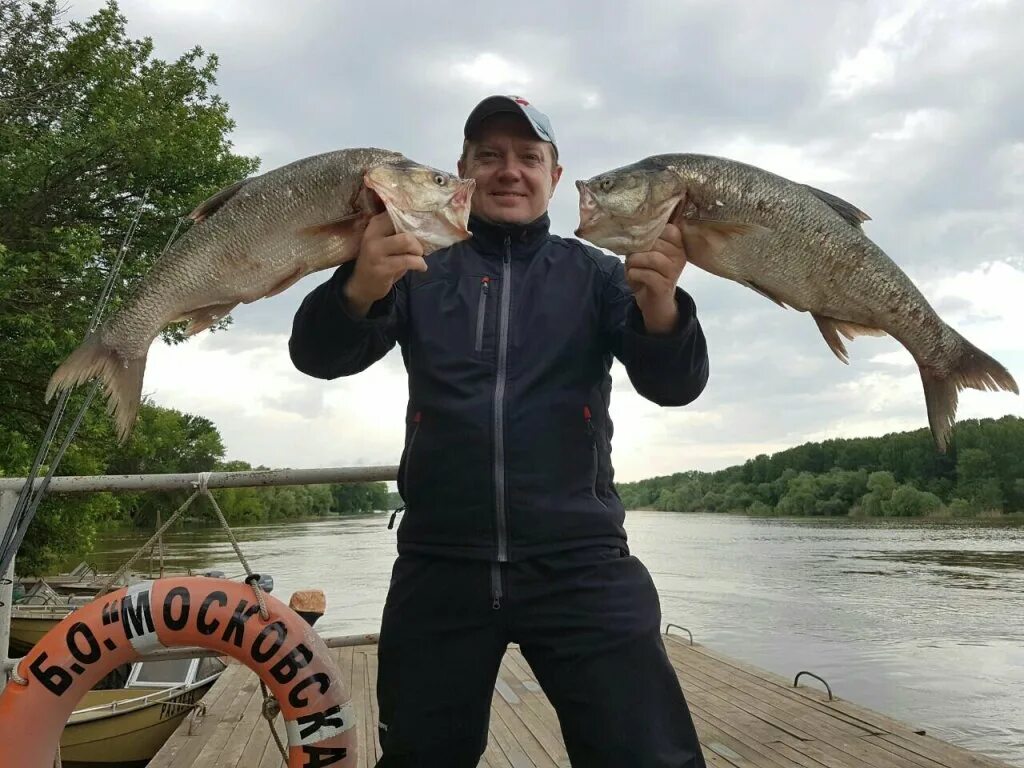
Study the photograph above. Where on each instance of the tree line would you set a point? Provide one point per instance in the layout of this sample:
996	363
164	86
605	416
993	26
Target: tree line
896	475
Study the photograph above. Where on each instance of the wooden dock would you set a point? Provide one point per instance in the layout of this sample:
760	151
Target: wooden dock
746	718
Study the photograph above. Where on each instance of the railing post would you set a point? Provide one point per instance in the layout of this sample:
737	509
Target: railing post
8	500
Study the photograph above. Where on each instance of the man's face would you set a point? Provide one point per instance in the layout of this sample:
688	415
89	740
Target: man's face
515	171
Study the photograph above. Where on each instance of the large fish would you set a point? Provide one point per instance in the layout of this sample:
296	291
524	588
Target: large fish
796	245
255	239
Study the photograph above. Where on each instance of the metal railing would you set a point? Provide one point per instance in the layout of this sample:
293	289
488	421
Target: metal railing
10	487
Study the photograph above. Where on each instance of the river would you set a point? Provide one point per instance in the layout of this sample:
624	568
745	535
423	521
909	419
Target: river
921	621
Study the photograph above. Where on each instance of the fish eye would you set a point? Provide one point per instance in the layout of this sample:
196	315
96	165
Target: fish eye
440	179
605	184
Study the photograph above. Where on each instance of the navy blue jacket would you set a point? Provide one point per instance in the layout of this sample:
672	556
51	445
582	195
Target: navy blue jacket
508	339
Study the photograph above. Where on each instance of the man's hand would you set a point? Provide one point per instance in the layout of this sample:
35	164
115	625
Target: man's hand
383	258
652	276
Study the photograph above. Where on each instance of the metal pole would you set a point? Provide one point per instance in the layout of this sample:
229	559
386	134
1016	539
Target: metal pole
8	501
247	479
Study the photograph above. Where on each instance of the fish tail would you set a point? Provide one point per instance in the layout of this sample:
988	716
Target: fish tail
122	380
971	368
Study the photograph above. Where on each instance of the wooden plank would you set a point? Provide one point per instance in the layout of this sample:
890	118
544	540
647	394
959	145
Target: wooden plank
752	726
272	753
819	753
935	749
535	711
917	750
366	726
791	706
525	740
697	694
249	724
802	760
727	669
493	757
180	741
723	744
791	717
505	740
231	714
505	691
258	737
374	714
859	751
726	676
745	717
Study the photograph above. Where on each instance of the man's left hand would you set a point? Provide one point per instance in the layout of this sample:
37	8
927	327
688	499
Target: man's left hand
652	275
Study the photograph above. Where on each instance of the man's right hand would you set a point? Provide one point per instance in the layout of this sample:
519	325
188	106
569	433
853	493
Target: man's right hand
383	258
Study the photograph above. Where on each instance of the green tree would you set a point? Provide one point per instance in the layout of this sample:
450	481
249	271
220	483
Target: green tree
800	497
163	441
984	471
89	121
359	498
908	501
976	480
880	487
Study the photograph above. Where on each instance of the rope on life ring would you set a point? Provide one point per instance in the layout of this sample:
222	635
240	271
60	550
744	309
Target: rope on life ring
217	614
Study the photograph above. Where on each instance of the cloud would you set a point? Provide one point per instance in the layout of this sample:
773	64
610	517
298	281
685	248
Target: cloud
912	111
491	71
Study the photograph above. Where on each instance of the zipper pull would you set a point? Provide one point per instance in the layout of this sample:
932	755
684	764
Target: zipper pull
391	522
586	418
485	284
495	586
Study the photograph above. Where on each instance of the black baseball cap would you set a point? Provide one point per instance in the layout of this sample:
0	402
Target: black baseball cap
537	120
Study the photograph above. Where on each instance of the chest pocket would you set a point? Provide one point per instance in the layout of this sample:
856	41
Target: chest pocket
454	321
483	312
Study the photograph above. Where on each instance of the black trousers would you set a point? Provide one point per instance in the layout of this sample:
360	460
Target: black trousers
588	623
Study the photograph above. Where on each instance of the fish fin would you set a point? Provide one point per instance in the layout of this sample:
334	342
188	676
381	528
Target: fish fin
703	239
122	379
848	211
971	368
755	287
202	318
340	227
287	283
209	206
830	329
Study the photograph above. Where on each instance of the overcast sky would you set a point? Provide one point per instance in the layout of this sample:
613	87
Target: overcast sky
913	111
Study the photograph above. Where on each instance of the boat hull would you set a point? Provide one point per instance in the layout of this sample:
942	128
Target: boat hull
128	734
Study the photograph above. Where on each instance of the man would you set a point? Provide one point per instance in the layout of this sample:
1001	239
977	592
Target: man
512	529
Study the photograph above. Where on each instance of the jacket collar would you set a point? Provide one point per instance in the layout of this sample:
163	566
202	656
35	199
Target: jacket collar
524	239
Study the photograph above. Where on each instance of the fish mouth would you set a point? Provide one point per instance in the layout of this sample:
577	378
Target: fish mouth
589	209
463	194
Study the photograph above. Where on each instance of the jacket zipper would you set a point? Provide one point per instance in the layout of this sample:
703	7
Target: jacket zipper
481	312
499	403
408	460
496	586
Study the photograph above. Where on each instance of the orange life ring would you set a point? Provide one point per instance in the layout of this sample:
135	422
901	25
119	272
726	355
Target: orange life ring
221	615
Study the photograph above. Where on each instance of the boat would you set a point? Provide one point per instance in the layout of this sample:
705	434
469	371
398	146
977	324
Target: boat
30	622
42	604
127	717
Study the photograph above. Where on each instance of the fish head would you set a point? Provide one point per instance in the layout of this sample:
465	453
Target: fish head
625	210
429	204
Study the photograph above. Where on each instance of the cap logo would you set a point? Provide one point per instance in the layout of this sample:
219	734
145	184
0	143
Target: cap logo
520	100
